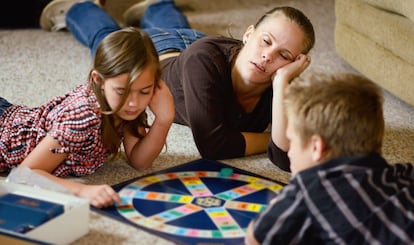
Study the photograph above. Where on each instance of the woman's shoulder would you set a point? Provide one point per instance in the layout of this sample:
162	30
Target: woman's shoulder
217	41
220	50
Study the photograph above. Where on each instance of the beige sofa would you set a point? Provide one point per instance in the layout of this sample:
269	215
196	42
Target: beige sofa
376	37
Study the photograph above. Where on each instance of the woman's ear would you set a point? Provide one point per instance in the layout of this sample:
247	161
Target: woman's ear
247	33
318	148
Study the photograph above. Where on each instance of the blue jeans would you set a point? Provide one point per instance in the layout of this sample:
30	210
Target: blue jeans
165	24
4	104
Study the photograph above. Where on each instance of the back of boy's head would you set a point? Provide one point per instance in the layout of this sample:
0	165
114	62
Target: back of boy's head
344	109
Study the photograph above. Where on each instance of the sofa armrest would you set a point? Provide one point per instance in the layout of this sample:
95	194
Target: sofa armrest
401	7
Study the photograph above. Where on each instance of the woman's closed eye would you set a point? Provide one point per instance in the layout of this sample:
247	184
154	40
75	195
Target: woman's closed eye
285	57
266	41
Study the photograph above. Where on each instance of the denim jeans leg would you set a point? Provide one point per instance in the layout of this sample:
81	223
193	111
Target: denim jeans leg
172	40
89	24
4	104
168	27
164	14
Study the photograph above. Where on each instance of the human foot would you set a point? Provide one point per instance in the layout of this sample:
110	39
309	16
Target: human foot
53	15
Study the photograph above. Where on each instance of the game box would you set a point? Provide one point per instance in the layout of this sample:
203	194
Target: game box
68	215
21	214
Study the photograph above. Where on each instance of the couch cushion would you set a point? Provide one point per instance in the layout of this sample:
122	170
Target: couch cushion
377	63
402	7
392	31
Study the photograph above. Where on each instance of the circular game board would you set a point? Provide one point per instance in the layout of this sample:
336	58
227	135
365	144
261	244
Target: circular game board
196	204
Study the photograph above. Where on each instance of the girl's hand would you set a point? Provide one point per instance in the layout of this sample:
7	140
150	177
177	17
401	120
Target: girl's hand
142	152
293	69
162	103
99	196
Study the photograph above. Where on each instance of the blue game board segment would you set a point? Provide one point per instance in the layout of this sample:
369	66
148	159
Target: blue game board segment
203	221
168	186
149	208
262	196
218	185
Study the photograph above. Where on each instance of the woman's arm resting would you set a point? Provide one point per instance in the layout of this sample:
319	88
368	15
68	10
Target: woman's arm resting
256	143
281	81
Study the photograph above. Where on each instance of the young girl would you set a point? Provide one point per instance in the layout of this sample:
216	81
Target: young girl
222	87
76	133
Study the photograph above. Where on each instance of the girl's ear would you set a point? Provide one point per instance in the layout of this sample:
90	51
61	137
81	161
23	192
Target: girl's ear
318	148
96	77
247	33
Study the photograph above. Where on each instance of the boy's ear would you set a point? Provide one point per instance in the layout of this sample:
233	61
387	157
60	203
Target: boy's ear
318	148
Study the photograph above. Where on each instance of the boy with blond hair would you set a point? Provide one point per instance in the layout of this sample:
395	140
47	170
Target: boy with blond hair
342	190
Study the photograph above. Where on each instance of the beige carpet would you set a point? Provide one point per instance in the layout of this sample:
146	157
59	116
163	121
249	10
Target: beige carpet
37	65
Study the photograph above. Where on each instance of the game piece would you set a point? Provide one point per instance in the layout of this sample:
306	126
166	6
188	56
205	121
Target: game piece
226	172
194	203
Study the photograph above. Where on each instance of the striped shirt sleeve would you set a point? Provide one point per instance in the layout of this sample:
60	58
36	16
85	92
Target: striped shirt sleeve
282	222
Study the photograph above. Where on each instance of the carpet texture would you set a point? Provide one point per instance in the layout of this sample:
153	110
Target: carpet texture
36	65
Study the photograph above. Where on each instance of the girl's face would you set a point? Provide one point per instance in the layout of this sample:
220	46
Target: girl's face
277	41
140	94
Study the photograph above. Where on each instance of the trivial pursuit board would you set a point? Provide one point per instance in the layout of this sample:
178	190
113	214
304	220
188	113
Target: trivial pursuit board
201	202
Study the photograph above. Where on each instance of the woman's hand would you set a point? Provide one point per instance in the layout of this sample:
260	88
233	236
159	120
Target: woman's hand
290	71
99	196
162	104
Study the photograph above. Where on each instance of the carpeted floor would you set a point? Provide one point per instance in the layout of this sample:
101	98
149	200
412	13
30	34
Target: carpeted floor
36	65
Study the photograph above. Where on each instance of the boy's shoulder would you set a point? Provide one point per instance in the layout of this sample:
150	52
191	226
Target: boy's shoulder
336	168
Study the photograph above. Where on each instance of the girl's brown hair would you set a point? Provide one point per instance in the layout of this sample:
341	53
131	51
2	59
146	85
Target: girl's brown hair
130	51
